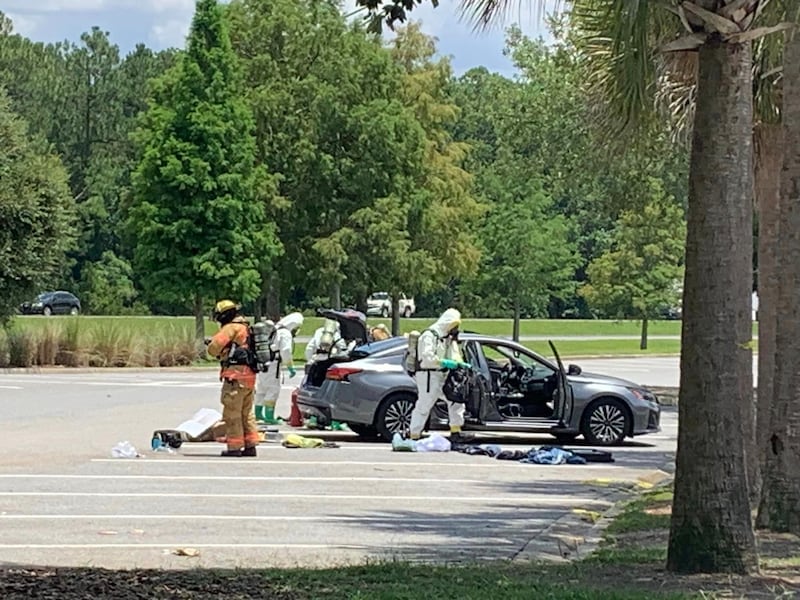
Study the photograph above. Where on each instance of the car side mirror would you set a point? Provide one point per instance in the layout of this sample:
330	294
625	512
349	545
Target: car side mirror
574	370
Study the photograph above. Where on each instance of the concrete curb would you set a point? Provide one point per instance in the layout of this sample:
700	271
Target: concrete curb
572	537
85	370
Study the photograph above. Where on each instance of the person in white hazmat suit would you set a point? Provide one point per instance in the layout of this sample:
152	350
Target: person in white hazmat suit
437	353
268	383
339	345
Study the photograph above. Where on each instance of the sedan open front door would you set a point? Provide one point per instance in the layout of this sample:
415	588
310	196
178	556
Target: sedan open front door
564	403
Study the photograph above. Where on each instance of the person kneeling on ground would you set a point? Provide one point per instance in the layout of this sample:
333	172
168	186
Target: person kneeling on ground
229	346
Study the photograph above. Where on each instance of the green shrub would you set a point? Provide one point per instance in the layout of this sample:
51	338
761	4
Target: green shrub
21	347
175	346
69	348
46	345
111	346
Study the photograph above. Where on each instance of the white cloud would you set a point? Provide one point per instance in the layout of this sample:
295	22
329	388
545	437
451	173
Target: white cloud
168	6
172	32
23	24
150	6
45	6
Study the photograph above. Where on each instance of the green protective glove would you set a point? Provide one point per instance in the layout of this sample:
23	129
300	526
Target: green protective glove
448	363
292	371
465	365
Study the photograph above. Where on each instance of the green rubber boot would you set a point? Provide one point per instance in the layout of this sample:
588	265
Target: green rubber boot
259	413
269	416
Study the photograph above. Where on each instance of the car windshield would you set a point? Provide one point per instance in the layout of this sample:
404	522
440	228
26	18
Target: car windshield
379	296
44	296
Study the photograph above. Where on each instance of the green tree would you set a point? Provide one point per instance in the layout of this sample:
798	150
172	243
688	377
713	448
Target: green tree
711	522
444	210
198	218
36	213
528	256
638	275
108	285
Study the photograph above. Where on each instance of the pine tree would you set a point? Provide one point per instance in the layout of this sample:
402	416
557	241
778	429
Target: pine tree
198	220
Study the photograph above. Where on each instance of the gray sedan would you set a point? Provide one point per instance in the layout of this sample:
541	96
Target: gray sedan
509	389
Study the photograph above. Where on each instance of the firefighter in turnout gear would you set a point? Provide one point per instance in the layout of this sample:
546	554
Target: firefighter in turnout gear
269	382
437	353
230	347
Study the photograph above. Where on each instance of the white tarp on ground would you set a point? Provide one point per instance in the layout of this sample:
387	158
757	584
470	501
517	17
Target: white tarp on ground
202	421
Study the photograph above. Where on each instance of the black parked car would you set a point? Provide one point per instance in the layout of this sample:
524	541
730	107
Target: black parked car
52	303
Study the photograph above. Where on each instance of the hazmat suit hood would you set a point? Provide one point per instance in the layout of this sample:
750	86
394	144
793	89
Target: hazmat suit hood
292	321
449	320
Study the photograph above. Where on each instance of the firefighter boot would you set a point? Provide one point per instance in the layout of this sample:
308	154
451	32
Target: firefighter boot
231	453
249	451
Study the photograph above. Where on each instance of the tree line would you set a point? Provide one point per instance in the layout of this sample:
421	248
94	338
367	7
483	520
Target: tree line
724	75
360	165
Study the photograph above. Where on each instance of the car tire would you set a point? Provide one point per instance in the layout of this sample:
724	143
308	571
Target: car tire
74	311
394	415
384	312
47	311
565	438
407	312
605	422
363	430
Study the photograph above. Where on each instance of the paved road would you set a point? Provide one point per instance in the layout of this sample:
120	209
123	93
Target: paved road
64	501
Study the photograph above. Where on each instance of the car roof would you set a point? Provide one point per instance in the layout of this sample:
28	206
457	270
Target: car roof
369	350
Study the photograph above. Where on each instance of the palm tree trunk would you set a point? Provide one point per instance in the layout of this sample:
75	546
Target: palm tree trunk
768	163
780	502
711	528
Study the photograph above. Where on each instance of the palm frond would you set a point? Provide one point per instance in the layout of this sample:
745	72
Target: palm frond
618	42
485	13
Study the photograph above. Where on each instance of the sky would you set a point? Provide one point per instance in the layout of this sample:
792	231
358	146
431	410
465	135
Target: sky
165	23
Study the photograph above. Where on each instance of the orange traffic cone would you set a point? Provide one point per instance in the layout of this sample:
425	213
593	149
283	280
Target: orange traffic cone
295	418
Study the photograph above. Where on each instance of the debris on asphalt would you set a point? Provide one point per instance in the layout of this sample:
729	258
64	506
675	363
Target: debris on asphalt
108	532
294	440
402	445
545	455
434	443
191	552
125	450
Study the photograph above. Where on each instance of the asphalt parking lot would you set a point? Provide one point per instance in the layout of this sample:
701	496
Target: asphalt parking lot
65	502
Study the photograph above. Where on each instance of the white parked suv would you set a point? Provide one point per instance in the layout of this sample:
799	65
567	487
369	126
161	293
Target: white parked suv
380	304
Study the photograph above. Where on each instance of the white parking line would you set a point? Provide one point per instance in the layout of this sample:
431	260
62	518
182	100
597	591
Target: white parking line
10	387
185	544
235	478
521	499
450	518
367	463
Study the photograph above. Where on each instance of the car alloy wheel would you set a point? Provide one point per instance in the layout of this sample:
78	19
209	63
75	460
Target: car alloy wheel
47	311
605	423
73	311
394	416
407	312
384	312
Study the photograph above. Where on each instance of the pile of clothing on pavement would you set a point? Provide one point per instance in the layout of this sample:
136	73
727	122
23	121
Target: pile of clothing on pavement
544	455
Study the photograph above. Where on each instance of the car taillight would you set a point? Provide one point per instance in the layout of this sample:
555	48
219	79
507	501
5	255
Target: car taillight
340	373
